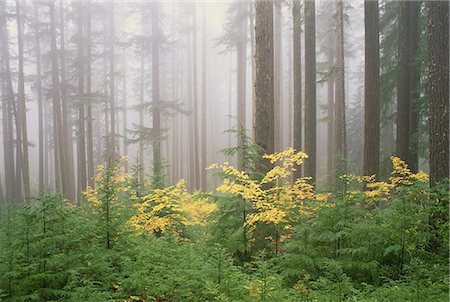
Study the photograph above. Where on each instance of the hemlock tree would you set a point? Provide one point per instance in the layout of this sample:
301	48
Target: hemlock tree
297	70
340	131
438	89
310	89
371	89
263	124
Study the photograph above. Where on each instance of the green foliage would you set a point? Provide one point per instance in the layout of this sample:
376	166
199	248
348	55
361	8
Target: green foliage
345	248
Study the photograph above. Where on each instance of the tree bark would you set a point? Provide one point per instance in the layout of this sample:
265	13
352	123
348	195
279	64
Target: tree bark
81	166
278	77
297	60
310	89
241	79
22	110
7	114
371	89
340	136
438	89
263	109
403	82
89	130
413	11
204	102
37	37
157	169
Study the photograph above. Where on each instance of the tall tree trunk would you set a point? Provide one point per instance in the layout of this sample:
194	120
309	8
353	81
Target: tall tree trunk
112	85
331	154
191	125
438	89
22	110
141	121
241	78
204	102
263	109
156	114
340	136
89	130
371	89
195	96
278	76
68	177
310	89
413	11
297	32
82	177
37	37
58	130
403	81
7	114
125	112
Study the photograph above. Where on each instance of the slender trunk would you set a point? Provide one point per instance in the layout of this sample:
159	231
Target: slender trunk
310	89
81	167
403	82
191	125
7	99
340	136
438	89
331	154
371	89
39	97
413	11
297	58
263	109
195	97
204	102
89	130
278	77
68	177
125	113
241	80
58	130
141	121
112	88
156	114
22	110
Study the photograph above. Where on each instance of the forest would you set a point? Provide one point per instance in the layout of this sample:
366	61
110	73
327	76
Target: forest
224	150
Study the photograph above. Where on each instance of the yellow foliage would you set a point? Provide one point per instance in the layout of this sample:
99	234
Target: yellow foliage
401	176
272	204
168	210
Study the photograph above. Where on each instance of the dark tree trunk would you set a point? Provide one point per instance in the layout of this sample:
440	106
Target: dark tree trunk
68	177
241	79
156	114
21	102
403	81
195	97
413	11
7	114
310	89
204	102
263	124
112	84
371	89
39	97
82	177
297	31
58	130
89	130
331	154
340	136
278	76
438	89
